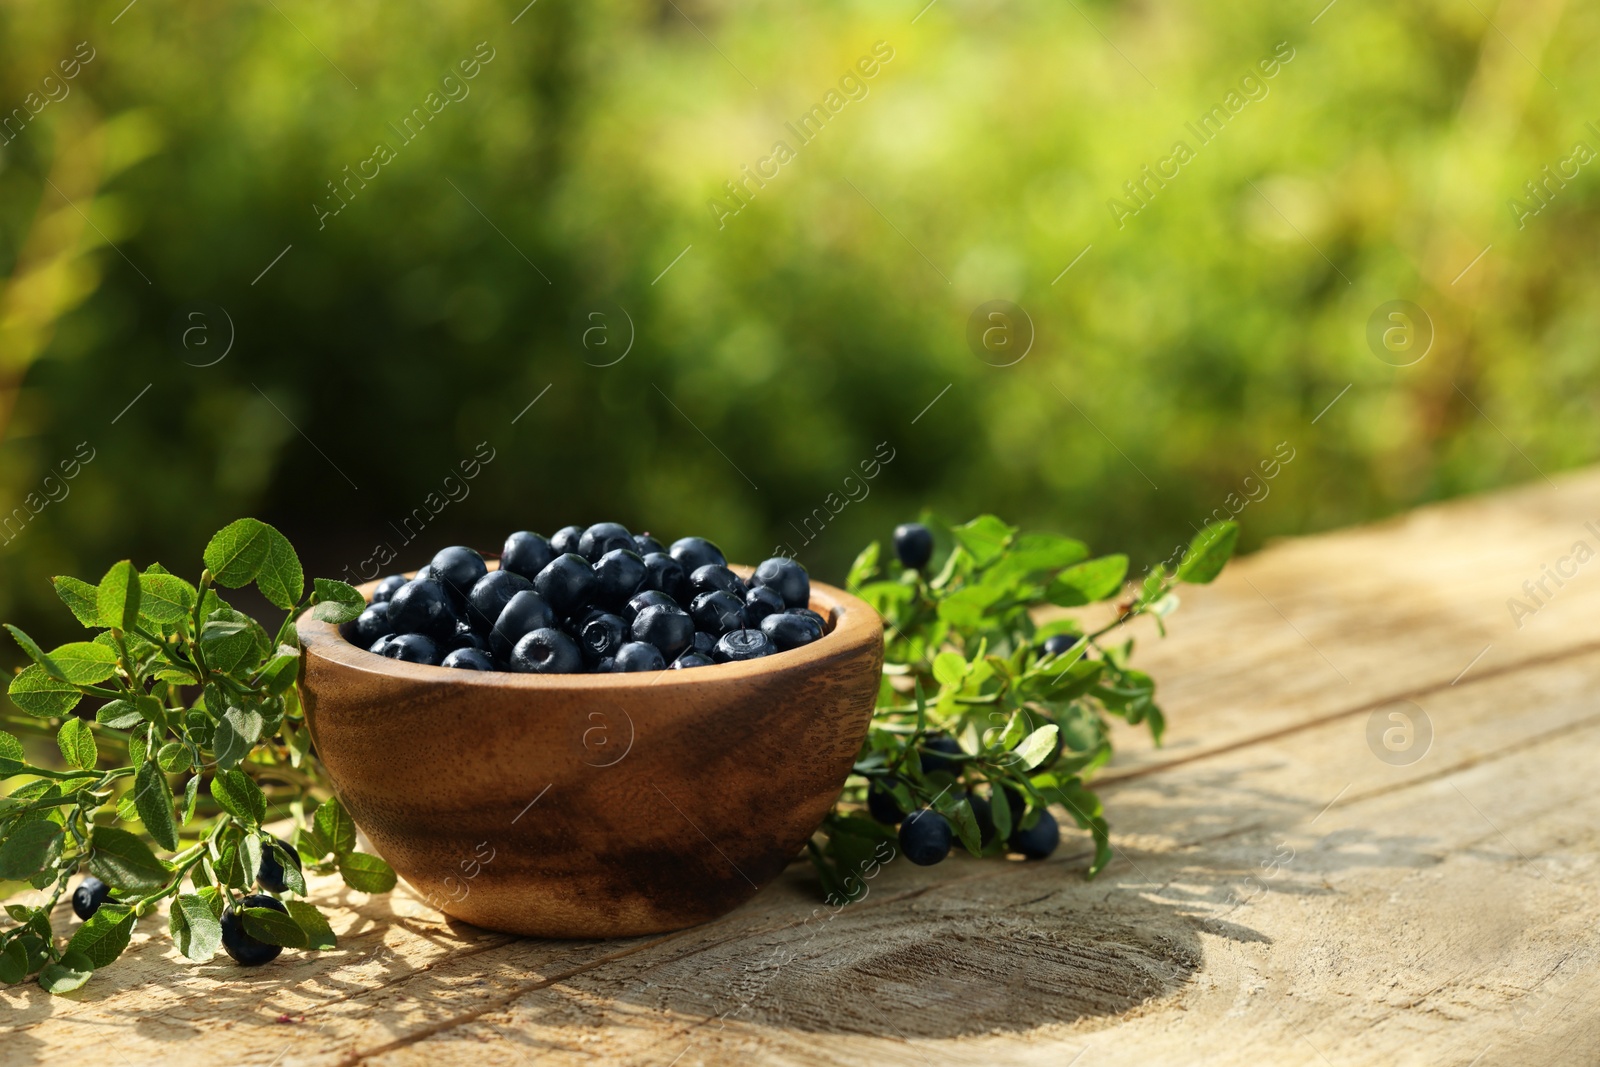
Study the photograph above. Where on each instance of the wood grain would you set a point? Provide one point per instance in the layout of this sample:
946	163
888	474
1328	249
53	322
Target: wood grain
1279	893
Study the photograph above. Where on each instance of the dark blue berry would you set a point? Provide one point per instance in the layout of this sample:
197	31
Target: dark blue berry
604	537
565	540
932	762
694	552
638	656
601	634
566	583
465	637
546	651
246	950
983	815
270	873
412	648
90	894
717	613
1039	840
644	544
925	837
715	578
490	596
692	659
524	613
617	576
370	625
667	575
787	577
666	627
422	607
739	645
387	588
787	631
526	554
882	806
807	613
459	568
1056	645
761	601
647	599
913	543
704	644
380	647
469	659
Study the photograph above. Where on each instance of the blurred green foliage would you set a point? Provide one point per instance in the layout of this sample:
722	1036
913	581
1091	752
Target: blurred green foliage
1185	347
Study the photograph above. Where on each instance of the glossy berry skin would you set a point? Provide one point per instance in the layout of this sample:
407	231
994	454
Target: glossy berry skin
704	644
270	873
601	634
882	806
372	624
648	598
380	647
925	837
465	637
932	762
787	577
717	613
422	607
1038	841
694	552
459	568
490	595
87	898
913	543
412	648
526	553
565	540
691	659
546	651
604	537
665	627
523	614
789	631
469	659
807	613
618	575
566	583
737	646
638	656
388	587
644	544
715	578
761	601
246	950
667	575
1060	643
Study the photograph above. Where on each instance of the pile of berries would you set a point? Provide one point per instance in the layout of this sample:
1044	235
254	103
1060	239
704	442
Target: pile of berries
598	600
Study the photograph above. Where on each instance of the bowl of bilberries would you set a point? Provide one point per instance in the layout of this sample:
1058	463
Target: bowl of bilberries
592	734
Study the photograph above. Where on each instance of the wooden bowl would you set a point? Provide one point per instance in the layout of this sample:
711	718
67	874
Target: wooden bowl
587	805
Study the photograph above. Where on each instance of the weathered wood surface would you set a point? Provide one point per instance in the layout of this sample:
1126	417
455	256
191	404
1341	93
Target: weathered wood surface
1280	895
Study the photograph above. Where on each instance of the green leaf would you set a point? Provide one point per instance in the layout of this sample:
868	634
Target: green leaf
85	662
73	970
1000	812
1208	553
1036	747
123	861
191	795
965	607
864	567
104	935
1088	582
12	758
152	796
29	849
334	825
1031	553
985	538
81	598
40	695
237	732
273	927
240	797
118	714
949	668
249	550
294	880
336	602
165	599
232	641
37	654
368	874
13	962
319	935
118	597
76	741
964	822
174	757
195	928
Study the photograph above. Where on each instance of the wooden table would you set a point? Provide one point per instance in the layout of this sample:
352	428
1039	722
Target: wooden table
1281	893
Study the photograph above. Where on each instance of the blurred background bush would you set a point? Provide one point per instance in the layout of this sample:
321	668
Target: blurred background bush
179	172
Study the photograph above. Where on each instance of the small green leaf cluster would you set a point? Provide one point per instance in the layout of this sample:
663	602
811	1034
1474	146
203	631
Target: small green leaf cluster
964	659
196	741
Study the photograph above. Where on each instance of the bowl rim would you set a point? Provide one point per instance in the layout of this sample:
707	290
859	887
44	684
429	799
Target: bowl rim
856	626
